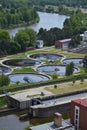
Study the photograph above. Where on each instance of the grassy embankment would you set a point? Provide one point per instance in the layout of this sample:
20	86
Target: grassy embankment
67	87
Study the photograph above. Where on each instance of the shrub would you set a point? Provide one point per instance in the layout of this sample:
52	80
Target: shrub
55	86
55	76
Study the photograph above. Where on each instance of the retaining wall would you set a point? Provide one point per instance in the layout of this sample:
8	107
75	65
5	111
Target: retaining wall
49	110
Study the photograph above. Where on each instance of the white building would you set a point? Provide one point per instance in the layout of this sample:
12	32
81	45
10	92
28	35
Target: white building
39	43
85	36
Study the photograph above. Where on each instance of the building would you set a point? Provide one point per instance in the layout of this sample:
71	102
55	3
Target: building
39	43
22	101
63	44
78	114
57	124
85	36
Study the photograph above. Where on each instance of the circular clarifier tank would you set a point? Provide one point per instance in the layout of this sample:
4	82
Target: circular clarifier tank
21	62
27	78
46	56
76	61
4	69
54	69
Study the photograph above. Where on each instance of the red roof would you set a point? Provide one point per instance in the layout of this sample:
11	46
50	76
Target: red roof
64	41
82	102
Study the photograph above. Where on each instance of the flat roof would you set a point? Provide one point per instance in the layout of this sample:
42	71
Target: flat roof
28	94
21	97
52	126
25	95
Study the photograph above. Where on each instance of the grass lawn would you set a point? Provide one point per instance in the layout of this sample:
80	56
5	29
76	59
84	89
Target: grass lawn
67	87
51	49
23	70
18	55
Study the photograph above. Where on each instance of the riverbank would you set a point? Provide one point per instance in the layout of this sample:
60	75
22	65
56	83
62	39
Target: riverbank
23	24
62	10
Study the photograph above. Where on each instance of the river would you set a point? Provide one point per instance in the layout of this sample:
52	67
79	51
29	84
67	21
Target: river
12	122
47	21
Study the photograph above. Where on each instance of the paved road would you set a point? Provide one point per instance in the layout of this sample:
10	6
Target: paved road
65	99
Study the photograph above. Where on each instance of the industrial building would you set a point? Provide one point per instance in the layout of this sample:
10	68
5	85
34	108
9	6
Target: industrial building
78	114
63	44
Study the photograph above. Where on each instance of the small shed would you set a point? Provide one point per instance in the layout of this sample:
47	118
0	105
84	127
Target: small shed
39	43
63	44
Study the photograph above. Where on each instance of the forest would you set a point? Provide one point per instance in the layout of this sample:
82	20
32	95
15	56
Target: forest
73	3
16	13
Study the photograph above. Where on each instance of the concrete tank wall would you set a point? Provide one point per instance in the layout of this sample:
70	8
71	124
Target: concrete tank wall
49	110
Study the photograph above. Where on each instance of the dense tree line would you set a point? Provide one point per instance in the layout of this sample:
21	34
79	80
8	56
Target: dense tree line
13	13
74	3
24	38
15	3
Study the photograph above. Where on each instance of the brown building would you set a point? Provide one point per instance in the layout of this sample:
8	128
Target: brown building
78	114
63	44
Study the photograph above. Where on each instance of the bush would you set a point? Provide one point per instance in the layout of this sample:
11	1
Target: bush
55	86
55	76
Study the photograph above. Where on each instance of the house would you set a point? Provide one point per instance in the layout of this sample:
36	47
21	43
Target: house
78	114
63	44
39	43
57	124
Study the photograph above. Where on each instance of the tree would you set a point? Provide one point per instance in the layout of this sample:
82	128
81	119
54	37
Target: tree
4	47
14	47
23	39
55	76
4	35
85	63
55	86
75	41
69	69
73	80
4	80
82	80
32	35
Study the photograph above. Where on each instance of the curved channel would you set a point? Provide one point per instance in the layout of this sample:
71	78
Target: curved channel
21	62
46	56
27	77
54	69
